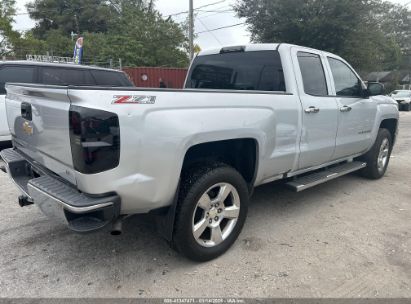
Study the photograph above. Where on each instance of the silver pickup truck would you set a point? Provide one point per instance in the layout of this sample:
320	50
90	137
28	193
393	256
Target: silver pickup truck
247	116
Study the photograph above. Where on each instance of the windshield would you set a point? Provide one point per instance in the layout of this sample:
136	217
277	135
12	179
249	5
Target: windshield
401	94
260	70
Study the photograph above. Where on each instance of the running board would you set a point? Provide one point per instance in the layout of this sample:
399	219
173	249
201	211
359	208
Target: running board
308	181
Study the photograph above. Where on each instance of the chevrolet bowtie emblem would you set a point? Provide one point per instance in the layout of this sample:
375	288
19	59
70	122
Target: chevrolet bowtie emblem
27	128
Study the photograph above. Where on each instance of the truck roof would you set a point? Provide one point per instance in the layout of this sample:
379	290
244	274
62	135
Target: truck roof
55	64
254	47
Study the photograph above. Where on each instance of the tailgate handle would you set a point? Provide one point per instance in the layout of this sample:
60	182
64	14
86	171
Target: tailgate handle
26	112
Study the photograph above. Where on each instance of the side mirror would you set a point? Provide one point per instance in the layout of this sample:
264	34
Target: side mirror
375	88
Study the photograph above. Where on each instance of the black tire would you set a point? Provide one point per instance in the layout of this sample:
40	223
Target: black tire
195	183
373	170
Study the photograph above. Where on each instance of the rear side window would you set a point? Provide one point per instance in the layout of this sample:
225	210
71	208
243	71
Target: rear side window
255	71
58	76
313	74
346	82
16	74
114	79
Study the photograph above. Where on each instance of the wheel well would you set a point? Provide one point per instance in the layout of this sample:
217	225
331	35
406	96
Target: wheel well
241	154
390	125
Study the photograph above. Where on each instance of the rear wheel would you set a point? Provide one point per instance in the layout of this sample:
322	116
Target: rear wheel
211	211
378	157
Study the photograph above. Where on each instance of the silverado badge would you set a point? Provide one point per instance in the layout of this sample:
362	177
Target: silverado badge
27	128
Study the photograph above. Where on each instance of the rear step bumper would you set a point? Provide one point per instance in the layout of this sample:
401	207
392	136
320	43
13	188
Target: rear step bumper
56	199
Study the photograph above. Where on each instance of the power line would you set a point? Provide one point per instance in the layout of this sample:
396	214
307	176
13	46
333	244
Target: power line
220	28
211	15
217	9
197	8
211	33
205	11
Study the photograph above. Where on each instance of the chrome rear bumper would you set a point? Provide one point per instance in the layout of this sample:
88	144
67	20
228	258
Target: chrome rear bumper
58	199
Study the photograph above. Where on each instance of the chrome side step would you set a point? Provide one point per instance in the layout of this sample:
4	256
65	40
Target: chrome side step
308	181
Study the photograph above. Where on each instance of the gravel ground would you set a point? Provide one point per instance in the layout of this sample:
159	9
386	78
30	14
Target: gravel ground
350	237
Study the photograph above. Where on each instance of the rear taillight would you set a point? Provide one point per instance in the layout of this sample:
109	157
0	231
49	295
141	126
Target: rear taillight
94	139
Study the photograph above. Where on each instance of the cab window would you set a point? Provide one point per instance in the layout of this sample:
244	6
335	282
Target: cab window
254	71
346	82
313	75
24	74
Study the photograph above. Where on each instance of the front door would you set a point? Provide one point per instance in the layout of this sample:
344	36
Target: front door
319	110
356	113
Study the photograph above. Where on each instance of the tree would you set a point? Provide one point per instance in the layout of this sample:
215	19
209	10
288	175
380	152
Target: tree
362	31
70	16
7	34
132	30
143	37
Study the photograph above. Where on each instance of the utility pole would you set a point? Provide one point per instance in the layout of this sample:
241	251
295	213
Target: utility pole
191	28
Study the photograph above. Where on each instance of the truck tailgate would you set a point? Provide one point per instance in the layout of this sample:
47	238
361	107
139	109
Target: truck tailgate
38	118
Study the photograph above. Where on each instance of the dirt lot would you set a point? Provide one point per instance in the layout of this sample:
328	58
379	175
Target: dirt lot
348	238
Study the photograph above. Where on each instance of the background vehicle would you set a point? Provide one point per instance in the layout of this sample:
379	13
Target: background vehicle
403	97
249	115
56	74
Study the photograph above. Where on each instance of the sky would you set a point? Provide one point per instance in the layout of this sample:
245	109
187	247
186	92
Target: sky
208	18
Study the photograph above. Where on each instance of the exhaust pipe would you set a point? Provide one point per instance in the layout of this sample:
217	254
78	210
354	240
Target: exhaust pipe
25	201
117	227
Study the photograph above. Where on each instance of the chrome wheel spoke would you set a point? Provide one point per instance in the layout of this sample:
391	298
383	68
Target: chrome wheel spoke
204	202
199	228
231	212
216	235
223	193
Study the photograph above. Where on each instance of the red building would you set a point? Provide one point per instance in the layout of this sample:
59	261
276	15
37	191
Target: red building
151	77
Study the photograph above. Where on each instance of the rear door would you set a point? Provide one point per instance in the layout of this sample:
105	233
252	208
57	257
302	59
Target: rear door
320	111
12	73
356	114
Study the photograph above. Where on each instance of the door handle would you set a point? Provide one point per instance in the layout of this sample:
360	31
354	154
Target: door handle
345	109
312	110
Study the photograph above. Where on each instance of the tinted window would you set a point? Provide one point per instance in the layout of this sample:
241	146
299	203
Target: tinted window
15	74
114	79
346	82
260	71
64	76
313	74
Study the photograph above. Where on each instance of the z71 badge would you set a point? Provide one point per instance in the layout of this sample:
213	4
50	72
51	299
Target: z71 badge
138	99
